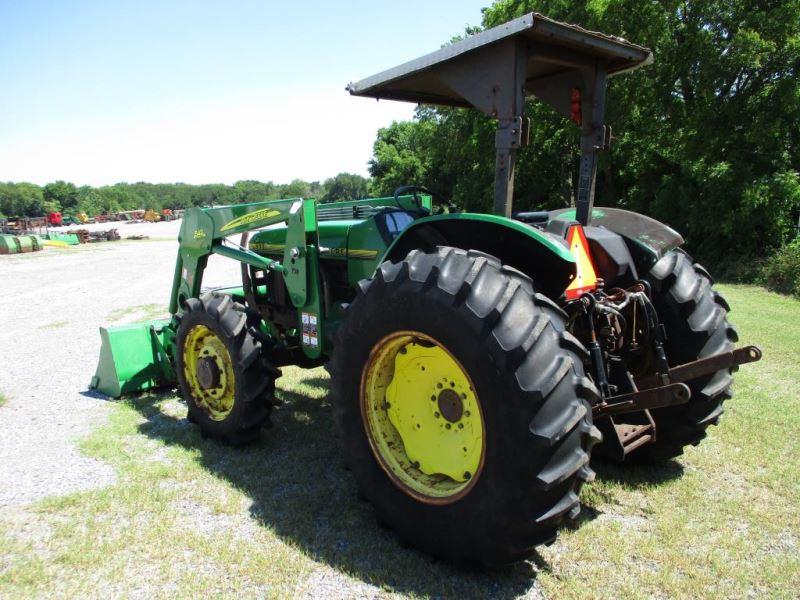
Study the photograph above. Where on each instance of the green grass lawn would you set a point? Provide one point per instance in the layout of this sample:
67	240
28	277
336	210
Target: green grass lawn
281	518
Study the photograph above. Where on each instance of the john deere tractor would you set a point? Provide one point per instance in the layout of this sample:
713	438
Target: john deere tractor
476	360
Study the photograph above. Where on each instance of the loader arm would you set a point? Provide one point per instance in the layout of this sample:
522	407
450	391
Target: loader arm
204	231
138	357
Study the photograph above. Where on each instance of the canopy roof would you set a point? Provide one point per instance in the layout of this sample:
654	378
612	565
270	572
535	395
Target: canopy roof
553	48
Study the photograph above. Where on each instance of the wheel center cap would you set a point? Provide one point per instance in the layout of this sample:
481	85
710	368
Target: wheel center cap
208	373
450	405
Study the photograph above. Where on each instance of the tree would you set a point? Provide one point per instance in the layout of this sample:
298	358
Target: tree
61	195
708	136
21	200
401	156
296	189
345	186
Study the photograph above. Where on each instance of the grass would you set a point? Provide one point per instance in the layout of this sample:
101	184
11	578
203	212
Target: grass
55	325
188	517
3	400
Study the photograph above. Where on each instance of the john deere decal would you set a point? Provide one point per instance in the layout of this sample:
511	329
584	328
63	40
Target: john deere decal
259	215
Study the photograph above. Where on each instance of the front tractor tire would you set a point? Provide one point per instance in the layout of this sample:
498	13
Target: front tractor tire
695	319
462	406
226	380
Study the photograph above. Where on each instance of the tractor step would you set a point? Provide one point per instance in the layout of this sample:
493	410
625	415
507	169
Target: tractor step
620	439
632	436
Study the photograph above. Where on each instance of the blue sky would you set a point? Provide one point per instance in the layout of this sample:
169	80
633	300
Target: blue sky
100	92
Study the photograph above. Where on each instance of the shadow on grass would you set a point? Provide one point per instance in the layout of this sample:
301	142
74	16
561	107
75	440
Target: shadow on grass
623	476
301	491
637	476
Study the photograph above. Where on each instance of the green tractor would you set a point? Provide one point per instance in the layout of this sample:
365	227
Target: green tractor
476	360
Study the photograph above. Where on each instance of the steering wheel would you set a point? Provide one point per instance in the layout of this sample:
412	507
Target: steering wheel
410	188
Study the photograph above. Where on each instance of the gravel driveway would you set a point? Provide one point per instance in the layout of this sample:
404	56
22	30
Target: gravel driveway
54	302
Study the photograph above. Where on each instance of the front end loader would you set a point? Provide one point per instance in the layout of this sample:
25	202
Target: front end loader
476	360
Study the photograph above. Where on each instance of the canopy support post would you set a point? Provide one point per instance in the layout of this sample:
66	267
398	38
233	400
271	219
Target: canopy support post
595	138
494	83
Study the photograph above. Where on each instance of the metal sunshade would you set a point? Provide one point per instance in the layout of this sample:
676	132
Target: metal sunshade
554	47
563	65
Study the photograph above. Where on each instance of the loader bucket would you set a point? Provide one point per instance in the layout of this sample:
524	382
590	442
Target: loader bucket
133	359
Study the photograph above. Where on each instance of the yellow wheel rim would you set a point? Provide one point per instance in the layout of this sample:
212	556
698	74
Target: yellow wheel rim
208	370
422	417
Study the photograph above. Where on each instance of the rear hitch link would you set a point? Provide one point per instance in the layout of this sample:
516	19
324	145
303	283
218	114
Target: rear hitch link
703	366
665	387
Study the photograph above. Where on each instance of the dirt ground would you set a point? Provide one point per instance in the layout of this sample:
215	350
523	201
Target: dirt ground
56	300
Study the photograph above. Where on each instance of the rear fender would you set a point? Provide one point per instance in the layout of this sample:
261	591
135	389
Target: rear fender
543	257
647	239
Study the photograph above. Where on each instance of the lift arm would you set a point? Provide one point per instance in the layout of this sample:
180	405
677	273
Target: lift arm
204	231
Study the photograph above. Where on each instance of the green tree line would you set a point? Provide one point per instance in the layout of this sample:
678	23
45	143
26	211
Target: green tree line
708	137
28	199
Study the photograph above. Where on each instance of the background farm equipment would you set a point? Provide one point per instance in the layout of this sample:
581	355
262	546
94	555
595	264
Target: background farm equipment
475	359
19	244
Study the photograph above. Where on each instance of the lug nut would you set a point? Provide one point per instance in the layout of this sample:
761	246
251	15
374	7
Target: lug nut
448	425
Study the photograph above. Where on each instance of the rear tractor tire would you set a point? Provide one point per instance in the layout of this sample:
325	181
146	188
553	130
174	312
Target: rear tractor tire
695	319
462	406
224	376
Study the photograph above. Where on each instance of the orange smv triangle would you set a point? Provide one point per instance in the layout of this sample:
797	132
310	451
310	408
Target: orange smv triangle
585	275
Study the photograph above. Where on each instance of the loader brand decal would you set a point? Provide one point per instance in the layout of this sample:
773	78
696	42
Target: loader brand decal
248	219
310	332
199	234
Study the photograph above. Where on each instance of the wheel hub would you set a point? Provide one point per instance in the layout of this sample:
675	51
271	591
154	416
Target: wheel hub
423	417
208	373
450	405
